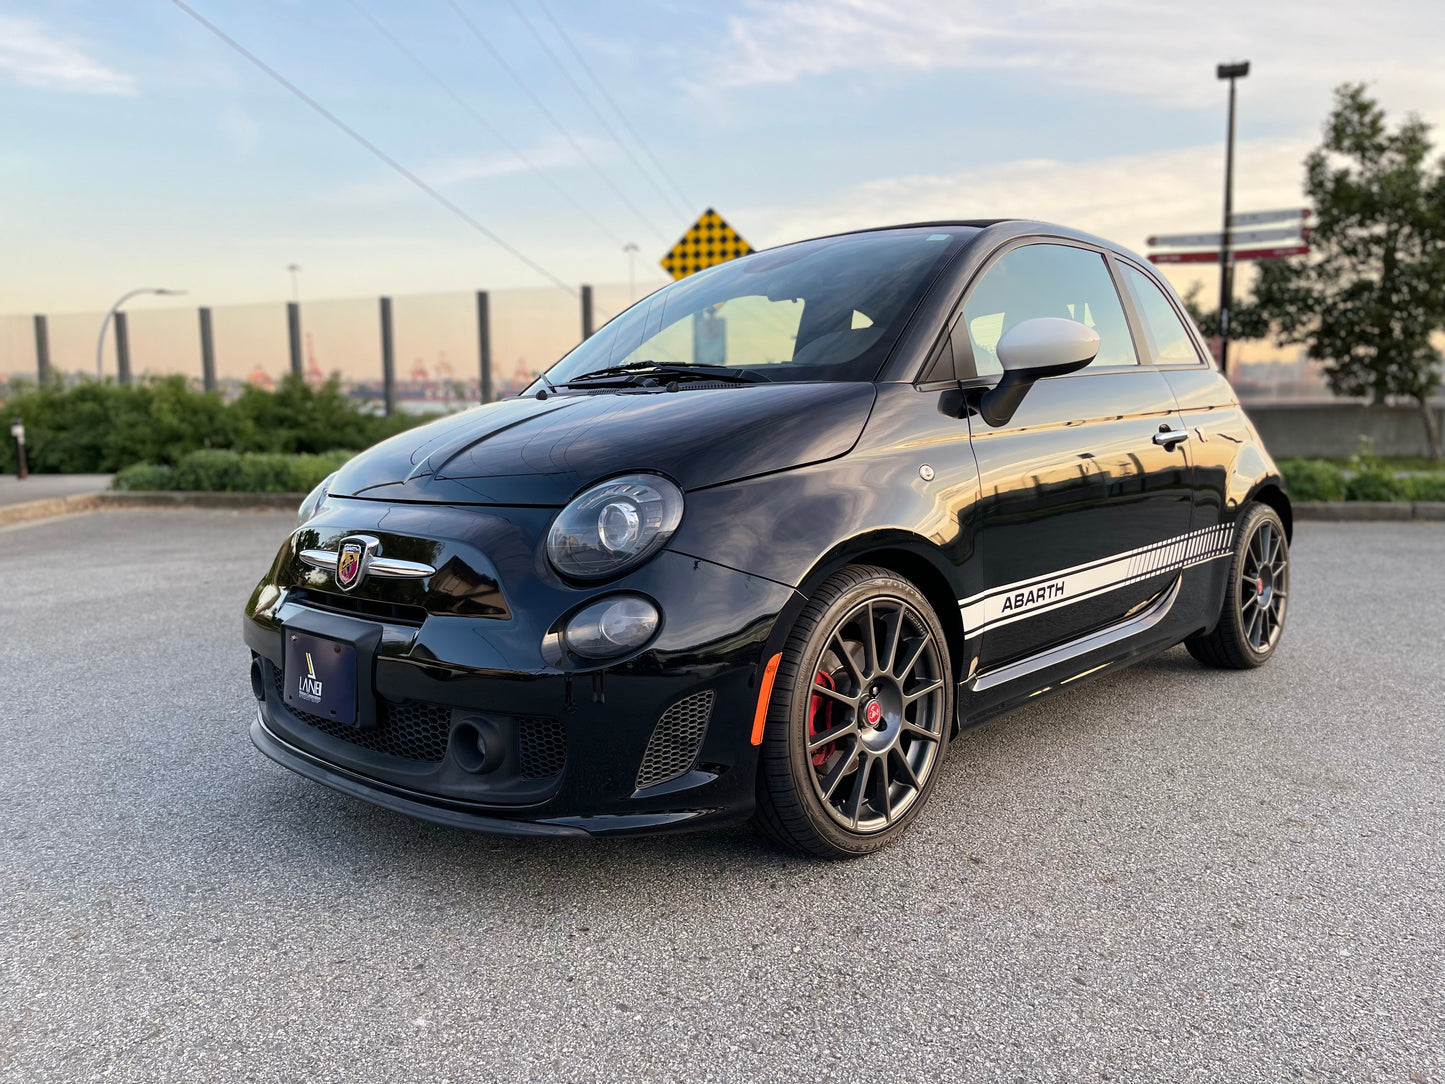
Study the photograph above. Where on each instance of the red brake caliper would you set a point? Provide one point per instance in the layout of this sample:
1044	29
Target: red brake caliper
820	710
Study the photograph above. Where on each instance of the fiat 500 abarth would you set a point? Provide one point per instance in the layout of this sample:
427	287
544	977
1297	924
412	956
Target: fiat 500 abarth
765	542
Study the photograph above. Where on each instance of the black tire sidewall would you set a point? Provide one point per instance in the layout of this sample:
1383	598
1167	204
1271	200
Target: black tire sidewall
1233	610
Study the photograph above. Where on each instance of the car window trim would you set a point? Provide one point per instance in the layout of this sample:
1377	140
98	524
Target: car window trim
1203	357
963	346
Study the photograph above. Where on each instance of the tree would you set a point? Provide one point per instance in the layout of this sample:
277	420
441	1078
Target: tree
1246	321
1370	296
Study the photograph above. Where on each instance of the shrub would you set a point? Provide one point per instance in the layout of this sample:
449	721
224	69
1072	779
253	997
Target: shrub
94	427
1313	480
222	470
1375	485
146	477
1425	487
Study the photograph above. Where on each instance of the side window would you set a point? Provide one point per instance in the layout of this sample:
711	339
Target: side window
1169	342
1046	280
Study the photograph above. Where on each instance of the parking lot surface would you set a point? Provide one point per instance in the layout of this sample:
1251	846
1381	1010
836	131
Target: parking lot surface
1167	874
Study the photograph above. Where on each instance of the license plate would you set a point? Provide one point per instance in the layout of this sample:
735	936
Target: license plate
320	676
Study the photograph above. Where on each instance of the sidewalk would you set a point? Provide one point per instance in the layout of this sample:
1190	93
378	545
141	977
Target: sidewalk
42	487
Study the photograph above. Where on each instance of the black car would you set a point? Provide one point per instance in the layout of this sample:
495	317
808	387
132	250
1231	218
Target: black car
763	544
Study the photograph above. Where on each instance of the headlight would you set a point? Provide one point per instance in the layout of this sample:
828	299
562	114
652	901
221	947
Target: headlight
612	626
614	525
314	500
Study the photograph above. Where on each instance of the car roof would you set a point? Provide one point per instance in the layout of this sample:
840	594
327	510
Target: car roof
997	230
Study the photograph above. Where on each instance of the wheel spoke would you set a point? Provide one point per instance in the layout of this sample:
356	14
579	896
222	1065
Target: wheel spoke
817	741
902	674
917	731
883	803
908	775
854	804
870	643
844	766
841	651
931	687
890	650
834	694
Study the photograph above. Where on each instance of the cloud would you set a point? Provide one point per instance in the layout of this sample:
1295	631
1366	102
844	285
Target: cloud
1125	198
1162	52
452	172
34	56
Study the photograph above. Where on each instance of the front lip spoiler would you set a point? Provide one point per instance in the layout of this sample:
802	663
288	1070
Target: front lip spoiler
288	756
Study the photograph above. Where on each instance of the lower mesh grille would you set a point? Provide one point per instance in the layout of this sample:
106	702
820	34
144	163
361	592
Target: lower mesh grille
408	730
672	749
542	745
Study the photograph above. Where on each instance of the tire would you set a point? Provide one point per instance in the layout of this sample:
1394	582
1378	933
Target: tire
887	707
1255	599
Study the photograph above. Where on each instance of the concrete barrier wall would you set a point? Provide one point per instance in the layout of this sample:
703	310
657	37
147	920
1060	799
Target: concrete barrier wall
1333	430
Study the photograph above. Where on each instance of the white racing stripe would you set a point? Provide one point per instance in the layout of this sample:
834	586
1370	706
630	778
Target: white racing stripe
1039	594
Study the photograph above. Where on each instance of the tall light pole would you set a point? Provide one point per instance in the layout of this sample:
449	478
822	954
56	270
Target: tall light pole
105	324
631	249
1232	72
295	269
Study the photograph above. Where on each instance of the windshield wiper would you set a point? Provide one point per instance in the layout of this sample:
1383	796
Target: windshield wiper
634	371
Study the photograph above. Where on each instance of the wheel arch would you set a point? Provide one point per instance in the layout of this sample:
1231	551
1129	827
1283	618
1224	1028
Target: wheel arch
1272	493
917	561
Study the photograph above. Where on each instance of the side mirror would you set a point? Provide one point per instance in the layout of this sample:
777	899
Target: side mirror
1032	350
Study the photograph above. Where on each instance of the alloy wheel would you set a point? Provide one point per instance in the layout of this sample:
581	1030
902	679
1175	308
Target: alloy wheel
1263	586
876	716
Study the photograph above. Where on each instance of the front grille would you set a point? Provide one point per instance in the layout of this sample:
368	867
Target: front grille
672	749
394	612
542	747
408	730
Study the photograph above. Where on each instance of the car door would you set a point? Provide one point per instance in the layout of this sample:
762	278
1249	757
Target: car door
1085	492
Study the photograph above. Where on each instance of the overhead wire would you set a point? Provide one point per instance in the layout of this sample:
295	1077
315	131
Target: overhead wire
582	63
374	149
552	118
481	119
576	86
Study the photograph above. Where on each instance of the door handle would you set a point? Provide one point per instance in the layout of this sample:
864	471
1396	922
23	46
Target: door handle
1167	438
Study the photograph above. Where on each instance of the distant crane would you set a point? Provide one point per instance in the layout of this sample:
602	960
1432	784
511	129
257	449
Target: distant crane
314	376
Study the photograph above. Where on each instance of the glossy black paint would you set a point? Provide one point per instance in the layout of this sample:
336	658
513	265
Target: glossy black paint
784	484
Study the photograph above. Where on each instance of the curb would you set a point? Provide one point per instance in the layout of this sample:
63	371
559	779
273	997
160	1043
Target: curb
51	506
233	502
1369	511
89	502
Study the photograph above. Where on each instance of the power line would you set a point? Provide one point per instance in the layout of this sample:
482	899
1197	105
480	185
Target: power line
372	147
482	120
567	40
502	63
606	127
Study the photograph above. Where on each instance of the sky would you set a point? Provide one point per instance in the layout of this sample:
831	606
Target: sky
138	149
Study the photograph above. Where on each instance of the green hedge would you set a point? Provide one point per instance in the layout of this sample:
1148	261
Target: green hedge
217	470
1318	480
99	428
1313	480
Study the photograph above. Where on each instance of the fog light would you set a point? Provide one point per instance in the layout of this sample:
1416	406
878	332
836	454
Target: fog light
612	626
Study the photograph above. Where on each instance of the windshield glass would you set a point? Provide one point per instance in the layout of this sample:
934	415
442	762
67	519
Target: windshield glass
829	309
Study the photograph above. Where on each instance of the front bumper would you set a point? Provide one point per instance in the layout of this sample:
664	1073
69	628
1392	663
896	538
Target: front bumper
657	742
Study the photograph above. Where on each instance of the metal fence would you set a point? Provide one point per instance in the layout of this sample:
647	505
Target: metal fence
415	353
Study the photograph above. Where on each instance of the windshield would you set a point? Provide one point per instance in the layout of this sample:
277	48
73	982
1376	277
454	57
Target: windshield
829	309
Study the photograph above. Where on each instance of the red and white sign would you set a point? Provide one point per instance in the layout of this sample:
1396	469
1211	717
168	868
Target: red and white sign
1212	256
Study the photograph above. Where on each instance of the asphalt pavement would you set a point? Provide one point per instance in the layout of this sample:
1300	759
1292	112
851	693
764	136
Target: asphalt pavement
1167	874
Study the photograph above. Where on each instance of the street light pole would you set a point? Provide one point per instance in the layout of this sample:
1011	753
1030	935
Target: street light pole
1232	72
631	249
105	324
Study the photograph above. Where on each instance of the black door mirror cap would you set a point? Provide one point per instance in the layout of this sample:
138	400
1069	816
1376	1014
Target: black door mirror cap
1032	350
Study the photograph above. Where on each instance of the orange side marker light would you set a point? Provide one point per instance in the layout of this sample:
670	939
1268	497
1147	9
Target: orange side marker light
765	693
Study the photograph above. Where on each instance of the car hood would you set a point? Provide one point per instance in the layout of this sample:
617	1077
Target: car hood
543	451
